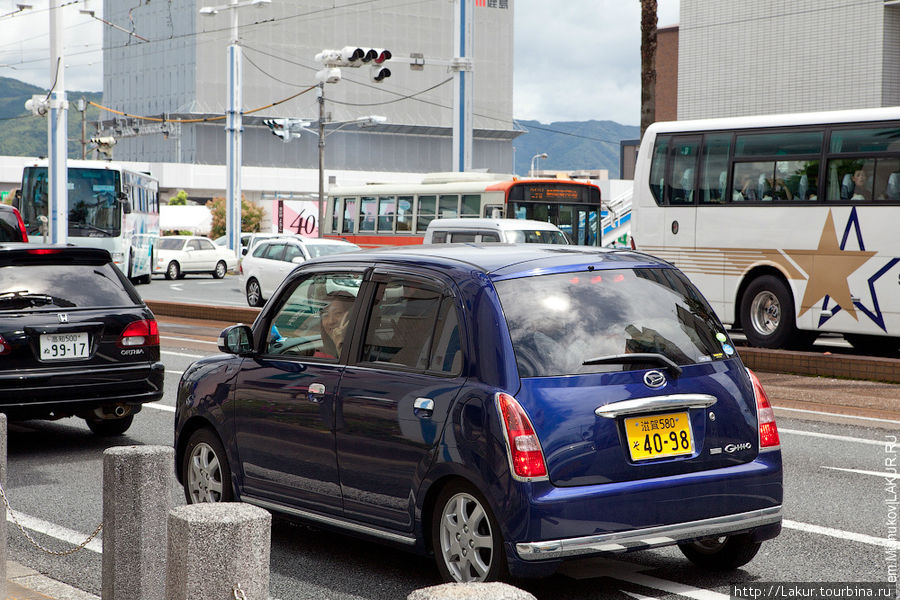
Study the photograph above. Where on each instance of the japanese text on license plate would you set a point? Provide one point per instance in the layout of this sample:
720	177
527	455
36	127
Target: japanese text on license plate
659	436
64	346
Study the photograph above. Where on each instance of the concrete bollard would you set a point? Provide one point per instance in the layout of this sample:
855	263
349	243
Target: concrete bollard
213	548
471	591
3	530
137	484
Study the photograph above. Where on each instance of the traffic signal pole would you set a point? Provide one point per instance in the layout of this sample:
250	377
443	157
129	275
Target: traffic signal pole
463	86
233	130
321	157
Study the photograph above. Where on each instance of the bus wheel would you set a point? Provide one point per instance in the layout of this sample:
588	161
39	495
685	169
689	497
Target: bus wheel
767	313
173	271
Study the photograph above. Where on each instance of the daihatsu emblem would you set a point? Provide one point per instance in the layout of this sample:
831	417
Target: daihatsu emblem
654	379
63	317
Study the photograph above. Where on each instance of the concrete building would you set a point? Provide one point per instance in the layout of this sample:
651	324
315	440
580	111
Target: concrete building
182	74
666	74
749	57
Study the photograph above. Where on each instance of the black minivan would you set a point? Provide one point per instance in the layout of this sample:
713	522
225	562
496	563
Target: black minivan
76	339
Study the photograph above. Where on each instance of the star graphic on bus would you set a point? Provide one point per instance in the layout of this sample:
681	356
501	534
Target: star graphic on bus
829	267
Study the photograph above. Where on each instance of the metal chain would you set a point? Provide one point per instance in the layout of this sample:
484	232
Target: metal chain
35	543
237	592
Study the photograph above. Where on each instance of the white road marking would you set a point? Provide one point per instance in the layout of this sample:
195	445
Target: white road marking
174	372
830	436
159	406
637	596
182	339
861	472
176	286
181	354
671	587
56	531
828	414
843	535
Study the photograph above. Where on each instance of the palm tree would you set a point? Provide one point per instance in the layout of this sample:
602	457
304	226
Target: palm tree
648	63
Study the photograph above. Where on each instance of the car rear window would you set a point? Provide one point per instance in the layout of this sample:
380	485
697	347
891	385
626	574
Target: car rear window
535	236
55	286
559	322
9	227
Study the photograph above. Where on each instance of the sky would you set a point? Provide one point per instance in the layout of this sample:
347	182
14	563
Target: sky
574	60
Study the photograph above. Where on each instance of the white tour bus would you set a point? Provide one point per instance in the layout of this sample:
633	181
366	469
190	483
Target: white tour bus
110	206
789	224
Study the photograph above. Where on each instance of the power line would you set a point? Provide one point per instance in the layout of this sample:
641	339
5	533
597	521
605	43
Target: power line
586	137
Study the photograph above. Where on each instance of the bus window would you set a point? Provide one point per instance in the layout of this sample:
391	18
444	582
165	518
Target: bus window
449	206
471	203
426	212
658	168
865	140
367	209
714	168
349	215
335	214
404	213
387	208
778	144
684	162
887	179
800	179
851	179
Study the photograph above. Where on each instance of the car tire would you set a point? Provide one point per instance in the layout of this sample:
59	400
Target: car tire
466	537
109	427
721	554
254	293
205	470
767	313
220	270
173	271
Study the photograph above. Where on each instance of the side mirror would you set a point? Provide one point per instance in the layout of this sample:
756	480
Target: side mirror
237	339
298	260
244	251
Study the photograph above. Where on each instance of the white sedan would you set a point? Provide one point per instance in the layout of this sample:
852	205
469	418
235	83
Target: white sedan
177	255
270	261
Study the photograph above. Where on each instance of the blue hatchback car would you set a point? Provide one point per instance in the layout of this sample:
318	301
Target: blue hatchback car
503	407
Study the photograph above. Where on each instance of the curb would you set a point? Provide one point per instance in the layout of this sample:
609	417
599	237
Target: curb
24	583
233	314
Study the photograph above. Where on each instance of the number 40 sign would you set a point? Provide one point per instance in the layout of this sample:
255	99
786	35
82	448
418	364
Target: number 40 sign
296	216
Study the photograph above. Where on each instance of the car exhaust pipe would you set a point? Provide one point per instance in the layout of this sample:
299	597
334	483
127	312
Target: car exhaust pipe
120	410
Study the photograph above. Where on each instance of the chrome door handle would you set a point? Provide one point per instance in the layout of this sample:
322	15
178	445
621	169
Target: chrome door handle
315	392
423	407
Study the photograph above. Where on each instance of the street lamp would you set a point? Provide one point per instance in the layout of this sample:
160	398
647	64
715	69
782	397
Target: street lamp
233	124
533	159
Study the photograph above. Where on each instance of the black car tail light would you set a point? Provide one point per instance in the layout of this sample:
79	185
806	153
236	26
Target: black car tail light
140	333
5	348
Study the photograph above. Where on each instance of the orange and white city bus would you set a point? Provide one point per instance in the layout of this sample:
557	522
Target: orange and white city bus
789	224
398	214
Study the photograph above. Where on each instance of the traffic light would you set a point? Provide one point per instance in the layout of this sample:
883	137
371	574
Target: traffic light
286	129
353	56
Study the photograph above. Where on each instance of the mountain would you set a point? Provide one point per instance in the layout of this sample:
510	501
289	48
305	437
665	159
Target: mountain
572	145
23	134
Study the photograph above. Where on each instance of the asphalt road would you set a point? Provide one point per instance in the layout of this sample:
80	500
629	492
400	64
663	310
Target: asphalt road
196	289
837	516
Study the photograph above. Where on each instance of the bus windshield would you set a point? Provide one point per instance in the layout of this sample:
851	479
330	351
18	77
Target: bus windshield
94	209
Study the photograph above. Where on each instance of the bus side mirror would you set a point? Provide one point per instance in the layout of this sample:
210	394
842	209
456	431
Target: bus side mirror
17	199
126	207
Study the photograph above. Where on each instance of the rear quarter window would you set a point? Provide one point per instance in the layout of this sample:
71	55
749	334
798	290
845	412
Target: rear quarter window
56	286
9	227
558	322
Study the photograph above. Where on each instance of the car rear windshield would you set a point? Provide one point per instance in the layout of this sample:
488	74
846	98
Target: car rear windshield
55	286
9	227
585	322
535	236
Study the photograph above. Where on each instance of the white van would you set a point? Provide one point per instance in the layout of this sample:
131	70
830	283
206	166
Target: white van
443	231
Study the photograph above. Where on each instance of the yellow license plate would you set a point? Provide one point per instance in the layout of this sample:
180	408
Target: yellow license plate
659	436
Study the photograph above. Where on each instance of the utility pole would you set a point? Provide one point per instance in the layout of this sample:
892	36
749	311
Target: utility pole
57	134
321	157
648	63
463	94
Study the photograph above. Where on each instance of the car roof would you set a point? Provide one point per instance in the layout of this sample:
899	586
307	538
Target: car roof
501	261
502	224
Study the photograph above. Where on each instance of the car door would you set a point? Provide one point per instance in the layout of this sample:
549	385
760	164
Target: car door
270	270
395	397
287	264
284	397
192	256
207	256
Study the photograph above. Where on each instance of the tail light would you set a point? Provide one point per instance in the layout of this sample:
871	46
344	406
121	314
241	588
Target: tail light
521	441
140	333
21	225
5	348
768	430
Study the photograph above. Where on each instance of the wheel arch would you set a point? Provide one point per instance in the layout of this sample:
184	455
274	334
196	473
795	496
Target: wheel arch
749	277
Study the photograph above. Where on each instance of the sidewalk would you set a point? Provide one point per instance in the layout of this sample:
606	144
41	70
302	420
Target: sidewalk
24	583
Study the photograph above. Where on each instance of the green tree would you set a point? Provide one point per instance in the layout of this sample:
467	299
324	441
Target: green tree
179	199
251	216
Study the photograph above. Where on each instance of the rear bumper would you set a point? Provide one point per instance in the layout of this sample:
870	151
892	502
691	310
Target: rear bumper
651	537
